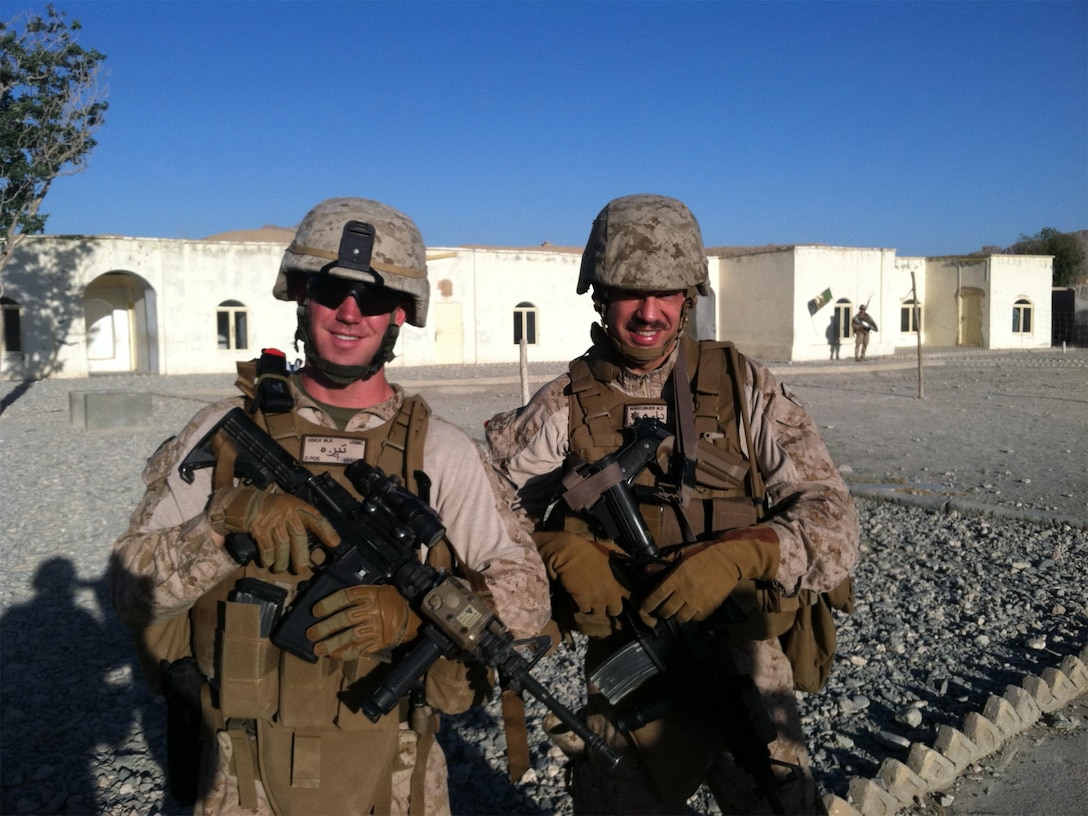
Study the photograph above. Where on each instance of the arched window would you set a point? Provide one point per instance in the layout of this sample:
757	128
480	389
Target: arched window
1021	316
844	313
12	340
231	320
910	321
525	324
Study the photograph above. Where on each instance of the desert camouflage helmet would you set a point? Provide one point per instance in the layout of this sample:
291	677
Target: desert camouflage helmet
645	243
325	244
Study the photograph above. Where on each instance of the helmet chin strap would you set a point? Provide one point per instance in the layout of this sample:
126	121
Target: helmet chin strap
341	374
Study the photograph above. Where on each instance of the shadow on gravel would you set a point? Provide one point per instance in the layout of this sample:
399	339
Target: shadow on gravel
13	396
465	757
65	678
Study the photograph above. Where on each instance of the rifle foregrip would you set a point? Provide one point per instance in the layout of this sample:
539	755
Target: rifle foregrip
401	679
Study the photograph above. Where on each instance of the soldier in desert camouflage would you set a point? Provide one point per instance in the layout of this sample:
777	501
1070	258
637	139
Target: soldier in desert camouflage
753	509
861	324
282	735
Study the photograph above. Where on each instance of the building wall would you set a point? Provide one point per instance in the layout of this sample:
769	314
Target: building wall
161	298
1069	316
906	281
164	295
1015	278
212	273
51	309
168	292
481	288
755	294
858	276
957	292
970	300
764	298
545	278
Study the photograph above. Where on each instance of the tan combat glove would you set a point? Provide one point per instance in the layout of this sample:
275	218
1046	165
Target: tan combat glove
367	619
707	573
453	686
583	568
277	522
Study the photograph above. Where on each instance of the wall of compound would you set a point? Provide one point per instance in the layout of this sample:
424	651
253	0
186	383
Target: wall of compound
853	277
84	305
755	294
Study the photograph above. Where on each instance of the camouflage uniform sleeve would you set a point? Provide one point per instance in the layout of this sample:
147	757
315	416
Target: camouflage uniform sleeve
485	533
528	446
167	558
811	508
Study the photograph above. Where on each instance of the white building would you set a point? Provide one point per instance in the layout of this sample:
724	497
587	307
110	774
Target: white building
80	305
796	302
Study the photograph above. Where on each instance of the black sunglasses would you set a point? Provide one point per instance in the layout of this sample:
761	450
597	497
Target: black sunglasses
330	292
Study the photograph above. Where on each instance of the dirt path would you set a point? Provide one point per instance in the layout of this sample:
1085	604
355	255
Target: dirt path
1008	431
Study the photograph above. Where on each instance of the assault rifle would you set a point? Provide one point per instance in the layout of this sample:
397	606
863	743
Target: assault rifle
695	654
380	536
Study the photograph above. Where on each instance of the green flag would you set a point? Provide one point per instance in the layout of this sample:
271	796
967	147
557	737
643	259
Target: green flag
817	303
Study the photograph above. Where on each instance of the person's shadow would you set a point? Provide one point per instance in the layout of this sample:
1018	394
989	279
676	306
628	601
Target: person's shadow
834	337
66	692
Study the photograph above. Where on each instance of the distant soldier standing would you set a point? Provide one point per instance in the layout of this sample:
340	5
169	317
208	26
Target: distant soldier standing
861	325
747	506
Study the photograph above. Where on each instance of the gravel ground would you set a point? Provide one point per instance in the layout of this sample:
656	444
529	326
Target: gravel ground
973	517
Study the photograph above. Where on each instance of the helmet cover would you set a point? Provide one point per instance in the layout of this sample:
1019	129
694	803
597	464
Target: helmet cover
645	243
331	240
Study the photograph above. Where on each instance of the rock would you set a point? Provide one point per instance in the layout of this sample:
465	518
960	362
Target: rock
892	740
910	717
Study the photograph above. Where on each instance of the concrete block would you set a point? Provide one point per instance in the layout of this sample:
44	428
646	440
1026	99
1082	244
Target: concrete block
901	782
870	799
1024	705
1075	669
1060	686
834	806
937	771
109	410
1040	691
1000	712
982	733
955	747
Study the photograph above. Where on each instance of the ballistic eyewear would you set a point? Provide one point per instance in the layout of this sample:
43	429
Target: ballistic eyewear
330	292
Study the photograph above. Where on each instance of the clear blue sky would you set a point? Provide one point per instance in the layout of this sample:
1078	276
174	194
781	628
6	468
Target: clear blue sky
929	127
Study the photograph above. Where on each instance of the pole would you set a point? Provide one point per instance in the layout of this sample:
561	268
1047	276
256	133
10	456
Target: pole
524	371
918	331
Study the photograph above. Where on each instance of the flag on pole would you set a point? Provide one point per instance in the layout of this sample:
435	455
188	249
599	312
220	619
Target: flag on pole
818	302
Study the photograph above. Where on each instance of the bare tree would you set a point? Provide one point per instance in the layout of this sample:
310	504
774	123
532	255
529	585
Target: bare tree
51	105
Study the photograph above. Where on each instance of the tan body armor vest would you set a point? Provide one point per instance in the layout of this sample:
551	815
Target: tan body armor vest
727	490
295	725
727	493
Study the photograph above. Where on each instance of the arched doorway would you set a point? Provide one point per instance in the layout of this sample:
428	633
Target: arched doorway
119	314
972	301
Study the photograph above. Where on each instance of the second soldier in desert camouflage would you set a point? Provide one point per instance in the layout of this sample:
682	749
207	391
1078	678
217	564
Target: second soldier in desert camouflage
748	506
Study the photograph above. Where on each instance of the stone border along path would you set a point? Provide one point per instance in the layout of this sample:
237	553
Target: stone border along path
899	787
